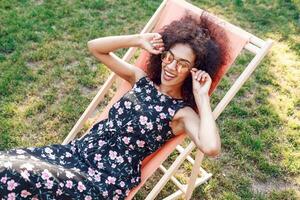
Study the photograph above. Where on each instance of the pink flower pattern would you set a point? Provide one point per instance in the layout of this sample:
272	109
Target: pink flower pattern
111	180
25	193
127	104
3	179
49	184
11	196
129	129
138	124
25	174
126	140
97	157
38	185
143	120
11	185
140	143
112	154
69	184
88	197
81	187
101	143
46	174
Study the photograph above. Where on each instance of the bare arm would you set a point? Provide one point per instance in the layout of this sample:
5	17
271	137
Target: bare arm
208	132
202	128
108	44
102	49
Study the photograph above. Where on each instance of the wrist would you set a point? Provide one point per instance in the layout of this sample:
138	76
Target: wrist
203	103
139	39
201	97
200	94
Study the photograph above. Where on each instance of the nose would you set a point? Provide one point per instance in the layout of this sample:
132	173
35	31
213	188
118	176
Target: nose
172	65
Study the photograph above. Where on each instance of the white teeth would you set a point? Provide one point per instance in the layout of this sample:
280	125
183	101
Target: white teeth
169	74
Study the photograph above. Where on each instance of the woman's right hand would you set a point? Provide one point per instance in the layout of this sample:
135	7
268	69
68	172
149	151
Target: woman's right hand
152	42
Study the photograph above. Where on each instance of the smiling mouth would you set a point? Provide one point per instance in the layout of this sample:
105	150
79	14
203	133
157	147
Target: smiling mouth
169	74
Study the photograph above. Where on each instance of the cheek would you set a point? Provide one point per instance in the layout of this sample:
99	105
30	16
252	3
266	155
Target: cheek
163	67
186	75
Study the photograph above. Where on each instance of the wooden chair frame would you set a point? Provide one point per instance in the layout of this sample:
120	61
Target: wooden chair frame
255	45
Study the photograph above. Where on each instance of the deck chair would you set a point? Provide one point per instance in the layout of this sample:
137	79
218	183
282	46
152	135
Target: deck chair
237	40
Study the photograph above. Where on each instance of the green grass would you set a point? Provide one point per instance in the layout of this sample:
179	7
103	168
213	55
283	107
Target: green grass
48	78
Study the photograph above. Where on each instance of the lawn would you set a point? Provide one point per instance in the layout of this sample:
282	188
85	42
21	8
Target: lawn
48	78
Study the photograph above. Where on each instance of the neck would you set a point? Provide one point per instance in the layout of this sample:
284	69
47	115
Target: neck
173	90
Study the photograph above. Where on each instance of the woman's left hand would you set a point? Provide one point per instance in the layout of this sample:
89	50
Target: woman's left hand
201	81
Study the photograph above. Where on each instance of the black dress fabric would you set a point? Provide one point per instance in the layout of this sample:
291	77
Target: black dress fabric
105	163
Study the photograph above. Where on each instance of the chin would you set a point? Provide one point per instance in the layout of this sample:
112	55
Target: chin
168	79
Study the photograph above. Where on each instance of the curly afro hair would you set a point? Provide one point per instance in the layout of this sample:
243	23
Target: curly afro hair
205	40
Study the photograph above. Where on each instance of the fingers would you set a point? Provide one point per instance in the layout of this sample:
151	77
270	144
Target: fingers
159	47
193	71
199	75
154	51
204	77
157	42
157	36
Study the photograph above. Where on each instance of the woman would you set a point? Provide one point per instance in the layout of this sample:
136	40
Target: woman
170	98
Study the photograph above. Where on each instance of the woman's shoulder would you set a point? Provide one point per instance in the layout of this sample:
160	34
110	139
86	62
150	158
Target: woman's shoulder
139	76
186	110
180	117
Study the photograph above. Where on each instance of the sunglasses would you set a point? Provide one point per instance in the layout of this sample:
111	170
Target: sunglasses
182	65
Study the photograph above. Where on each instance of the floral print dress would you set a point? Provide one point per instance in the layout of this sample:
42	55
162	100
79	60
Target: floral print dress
105	163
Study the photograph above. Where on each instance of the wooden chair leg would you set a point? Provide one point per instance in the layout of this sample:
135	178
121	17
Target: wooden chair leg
194	174
172	169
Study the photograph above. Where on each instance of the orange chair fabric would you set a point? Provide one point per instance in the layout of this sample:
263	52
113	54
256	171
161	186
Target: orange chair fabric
236	40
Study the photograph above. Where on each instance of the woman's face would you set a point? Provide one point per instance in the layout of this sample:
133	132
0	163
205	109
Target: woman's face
169	74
